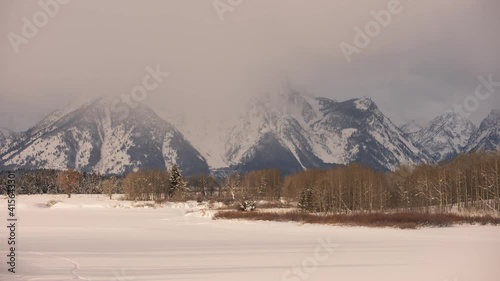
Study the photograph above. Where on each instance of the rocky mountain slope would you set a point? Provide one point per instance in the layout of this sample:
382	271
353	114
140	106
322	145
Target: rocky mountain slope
487	137
90	138
292	132
445	136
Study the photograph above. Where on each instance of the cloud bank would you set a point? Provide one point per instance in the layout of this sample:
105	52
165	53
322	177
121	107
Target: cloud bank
426	60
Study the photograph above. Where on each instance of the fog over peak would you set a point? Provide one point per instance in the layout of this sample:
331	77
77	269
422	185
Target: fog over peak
426	60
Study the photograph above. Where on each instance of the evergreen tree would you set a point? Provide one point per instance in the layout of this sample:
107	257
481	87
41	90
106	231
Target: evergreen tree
176	181
307	201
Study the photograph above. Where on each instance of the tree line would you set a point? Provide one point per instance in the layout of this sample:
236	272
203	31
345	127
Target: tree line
50	182
469	182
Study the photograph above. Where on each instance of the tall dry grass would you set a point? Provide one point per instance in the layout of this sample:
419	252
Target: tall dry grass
395	220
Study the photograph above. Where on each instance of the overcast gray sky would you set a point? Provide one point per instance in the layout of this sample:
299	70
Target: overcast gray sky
427	59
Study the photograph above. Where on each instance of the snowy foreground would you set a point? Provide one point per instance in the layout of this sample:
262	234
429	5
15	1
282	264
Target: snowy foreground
93	238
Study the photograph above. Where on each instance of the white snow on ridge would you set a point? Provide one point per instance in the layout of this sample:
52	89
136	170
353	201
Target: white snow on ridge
84	149
115	143
169	154
363	104
445	135
51	153
331	147
485	136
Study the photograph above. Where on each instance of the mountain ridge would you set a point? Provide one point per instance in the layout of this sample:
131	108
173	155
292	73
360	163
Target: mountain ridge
90	138
289	131
445	136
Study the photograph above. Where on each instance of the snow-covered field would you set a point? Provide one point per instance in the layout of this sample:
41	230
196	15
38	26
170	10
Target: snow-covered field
93	238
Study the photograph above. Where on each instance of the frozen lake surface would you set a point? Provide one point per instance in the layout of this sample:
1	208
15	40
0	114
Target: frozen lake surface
93	238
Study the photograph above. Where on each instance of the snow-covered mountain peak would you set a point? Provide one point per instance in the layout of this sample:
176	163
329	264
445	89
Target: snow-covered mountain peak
451	120
318	132
364	103
445	136
487	137
91	138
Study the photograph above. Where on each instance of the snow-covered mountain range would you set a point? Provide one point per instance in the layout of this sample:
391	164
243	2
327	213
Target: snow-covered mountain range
487	137
90	138
286	130
294	132
444	137
450	134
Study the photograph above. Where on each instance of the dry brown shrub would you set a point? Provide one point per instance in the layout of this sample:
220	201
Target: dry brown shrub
395	220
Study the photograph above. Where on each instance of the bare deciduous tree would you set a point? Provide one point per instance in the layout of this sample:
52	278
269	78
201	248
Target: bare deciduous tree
69	181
